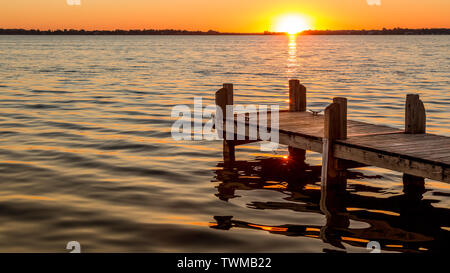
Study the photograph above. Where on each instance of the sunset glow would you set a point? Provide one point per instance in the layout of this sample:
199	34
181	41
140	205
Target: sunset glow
291	24
247	16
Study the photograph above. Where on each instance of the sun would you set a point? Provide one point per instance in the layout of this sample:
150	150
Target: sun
291	24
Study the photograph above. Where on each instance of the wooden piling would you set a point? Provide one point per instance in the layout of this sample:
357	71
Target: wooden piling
342	130
297	96
229	151
297	103
335	128
415	123
224	97
331	130
230	93
413	186
297	157
415	116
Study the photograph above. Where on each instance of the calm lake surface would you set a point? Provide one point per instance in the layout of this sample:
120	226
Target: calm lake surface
86	152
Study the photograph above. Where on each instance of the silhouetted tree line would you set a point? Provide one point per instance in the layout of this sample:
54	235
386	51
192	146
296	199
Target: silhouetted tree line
384	31
106	32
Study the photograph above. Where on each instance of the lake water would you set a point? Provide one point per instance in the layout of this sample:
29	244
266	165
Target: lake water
86	152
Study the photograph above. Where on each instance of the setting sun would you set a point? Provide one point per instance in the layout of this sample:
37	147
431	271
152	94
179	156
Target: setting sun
291	24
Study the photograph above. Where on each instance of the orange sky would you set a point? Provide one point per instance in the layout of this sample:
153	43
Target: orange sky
221	15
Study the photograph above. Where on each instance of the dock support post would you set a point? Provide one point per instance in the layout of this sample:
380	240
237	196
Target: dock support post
297	96
415	116
415	123
297	103
297	155
413	186
334	181
224	97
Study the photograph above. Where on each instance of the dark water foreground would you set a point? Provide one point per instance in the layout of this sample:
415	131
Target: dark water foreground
86	152
404	223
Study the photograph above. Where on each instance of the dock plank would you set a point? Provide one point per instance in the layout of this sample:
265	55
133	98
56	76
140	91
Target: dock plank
422	147
306	123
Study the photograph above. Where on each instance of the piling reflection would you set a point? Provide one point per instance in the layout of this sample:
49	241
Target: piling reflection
405	222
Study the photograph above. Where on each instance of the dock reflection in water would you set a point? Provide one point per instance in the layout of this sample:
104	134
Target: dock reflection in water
402	223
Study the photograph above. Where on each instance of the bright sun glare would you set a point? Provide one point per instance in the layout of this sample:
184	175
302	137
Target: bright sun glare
291	24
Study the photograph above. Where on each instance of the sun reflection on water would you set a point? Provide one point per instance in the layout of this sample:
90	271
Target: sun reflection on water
292	63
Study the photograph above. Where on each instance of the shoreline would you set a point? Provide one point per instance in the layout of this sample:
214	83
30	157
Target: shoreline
152	32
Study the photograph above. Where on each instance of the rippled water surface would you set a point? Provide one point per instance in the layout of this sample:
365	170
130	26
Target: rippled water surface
86	152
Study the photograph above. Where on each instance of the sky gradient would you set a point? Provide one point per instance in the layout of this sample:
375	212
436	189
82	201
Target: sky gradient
220	15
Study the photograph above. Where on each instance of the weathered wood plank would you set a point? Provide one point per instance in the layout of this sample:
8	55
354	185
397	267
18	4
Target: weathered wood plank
418	146
302	142
304	122
429	147
399	140
401	163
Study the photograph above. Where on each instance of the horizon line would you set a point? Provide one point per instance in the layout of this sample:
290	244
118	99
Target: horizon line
145	31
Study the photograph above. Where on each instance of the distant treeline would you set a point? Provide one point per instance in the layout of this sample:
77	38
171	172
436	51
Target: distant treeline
384	31
110	32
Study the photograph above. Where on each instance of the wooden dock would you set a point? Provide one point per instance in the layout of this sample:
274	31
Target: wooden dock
347	144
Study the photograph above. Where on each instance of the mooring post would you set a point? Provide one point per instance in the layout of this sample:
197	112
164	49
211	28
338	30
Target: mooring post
297	96
224	97
297	103
415	123
334	181
342	130
415	116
